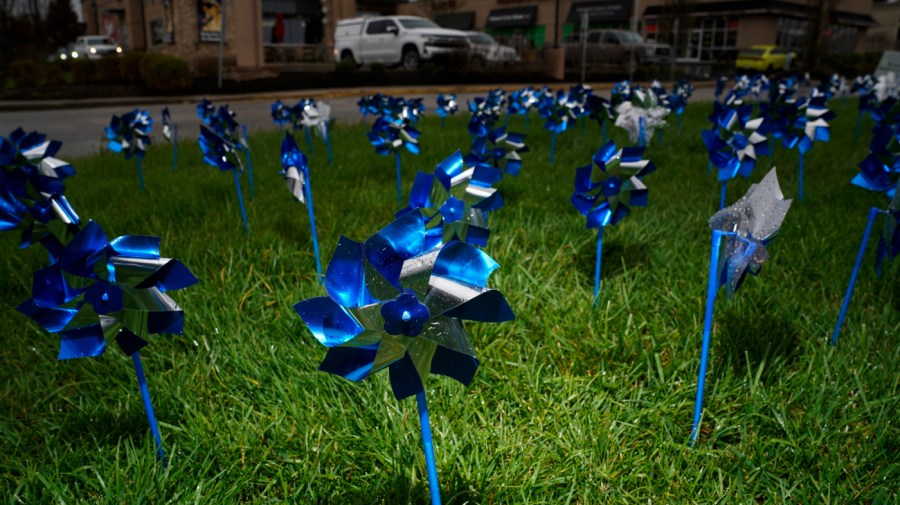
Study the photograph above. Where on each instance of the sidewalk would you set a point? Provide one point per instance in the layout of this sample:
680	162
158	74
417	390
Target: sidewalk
326	93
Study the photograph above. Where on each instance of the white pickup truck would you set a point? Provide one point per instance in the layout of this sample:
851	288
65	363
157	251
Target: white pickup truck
392	40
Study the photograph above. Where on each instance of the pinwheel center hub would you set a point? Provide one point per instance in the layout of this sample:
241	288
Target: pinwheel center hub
452	210
405	315
739	141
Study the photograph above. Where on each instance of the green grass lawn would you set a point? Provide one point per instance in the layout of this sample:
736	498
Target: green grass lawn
571	404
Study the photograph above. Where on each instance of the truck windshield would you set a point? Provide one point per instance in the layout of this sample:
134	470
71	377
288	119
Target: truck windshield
630	38
412	24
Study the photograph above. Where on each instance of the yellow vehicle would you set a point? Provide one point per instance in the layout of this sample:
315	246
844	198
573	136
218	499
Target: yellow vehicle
764	59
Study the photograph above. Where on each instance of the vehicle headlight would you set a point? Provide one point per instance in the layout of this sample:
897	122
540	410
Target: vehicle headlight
63	56
93	50
75	54
119	49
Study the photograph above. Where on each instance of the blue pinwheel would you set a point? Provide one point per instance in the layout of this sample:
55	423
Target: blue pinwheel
810	125
100	290
502	150
394	303
309	114
281	114
447	105
370	104
678	100
32	188
721	82
295	170
734	144
393	135
170	133
129	134
600	110
223	122
455	199
557	115
520	103
641	116
206	111
606	189
222	154
747	226
878	172
863	86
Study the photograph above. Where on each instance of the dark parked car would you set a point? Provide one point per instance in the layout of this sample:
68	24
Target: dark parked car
611	51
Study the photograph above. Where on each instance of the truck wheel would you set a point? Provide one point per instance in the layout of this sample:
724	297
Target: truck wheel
410	58
347	57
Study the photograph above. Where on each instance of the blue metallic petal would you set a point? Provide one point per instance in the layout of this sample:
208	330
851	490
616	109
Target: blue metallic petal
330	323
345	279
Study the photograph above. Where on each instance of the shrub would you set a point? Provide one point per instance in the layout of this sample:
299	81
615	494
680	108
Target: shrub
53	75
345	67
26	73
206	66
168	74
130	66
83	71
108	69
429	68
377	70
147	61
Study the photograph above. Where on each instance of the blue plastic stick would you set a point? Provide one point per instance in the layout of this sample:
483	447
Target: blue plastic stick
873	212
312	228
801	177
640	132
148	404
328	144
603	129
237	186
552	147
724	191
429	449
174	146
140	171
308	140
597	265
399	184
249	162
711	289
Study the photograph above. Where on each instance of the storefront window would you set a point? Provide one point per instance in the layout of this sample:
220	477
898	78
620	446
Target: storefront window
711	39
841	39
791	33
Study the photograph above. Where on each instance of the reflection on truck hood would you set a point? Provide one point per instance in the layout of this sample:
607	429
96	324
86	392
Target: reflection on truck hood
437	32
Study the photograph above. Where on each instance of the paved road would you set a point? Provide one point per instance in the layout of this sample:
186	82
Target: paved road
81	129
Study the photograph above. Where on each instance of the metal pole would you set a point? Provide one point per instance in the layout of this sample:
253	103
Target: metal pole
224	10
634	23
585	19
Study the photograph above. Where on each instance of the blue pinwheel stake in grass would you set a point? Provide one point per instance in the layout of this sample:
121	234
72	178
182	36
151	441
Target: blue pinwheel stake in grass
170	133
32	188
295	170
747	227
100	290
394	303
606	189
447	105
501	149
557	117
734	144
315	115
393	135
812	127
222	154
879	172
129	134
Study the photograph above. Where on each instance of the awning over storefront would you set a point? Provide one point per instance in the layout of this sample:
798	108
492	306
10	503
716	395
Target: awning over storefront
456	20
518	17
756	7
600	12
303	8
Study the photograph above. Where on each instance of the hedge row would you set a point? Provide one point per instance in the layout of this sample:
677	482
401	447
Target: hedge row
158	72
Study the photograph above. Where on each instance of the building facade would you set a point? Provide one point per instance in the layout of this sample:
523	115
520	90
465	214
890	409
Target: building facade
261	32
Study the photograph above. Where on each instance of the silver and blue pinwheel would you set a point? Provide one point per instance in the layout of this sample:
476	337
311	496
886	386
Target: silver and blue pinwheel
878	172
223	122
129	134
447	105
314	115
394	303
734	144
558	116
812	126
100	290
222	154
641	116
295	170
501	149
32	188
606	189
393	135
455	200
747	227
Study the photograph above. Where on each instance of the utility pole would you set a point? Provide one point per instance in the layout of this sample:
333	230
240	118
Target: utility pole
634	23
223	10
